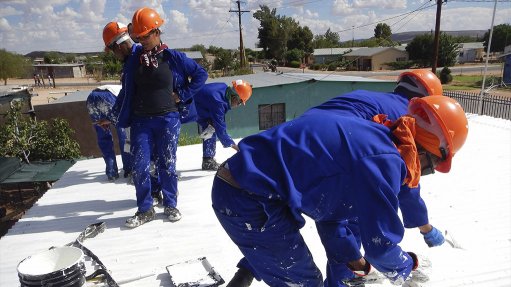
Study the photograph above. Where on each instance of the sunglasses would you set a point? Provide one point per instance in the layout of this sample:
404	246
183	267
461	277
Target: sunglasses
146	36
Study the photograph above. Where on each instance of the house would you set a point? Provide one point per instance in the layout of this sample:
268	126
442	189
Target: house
373	59
470	52
326	55
74	70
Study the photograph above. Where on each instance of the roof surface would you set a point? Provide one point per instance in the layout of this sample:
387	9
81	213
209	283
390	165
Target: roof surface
472	202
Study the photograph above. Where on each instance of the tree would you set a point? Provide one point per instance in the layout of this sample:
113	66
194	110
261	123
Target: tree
24	137
279	34
420	50
224	60
12	65
328	40
382	31
501	38
52	58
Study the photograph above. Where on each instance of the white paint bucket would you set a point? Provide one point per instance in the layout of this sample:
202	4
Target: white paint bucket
60	266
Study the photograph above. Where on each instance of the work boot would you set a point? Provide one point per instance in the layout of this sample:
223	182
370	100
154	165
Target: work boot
209	163
140	218
242	278
172	213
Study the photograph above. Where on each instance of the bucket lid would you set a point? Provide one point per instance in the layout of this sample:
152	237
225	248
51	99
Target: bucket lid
49	261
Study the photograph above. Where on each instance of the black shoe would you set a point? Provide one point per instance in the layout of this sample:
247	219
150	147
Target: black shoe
172	213
140	218
209	163
242	278
127	173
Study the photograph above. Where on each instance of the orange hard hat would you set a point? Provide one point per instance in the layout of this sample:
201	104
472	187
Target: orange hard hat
441	127
243	89
115	32
145	20
421	82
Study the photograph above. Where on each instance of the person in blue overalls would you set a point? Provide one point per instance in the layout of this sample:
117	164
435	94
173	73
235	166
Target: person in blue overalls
212	102
366	104
332	167
99	104
158	88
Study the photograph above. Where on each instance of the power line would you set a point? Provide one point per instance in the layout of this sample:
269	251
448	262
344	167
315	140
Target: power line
386	19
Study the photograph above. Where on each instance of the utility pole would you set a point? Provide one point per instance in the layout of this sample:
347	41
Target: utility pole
437	34
242	49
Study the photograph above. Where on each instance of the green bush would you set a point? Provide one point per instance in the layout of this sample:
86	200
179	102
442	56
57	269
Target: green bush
30	140
332	67
445	75
294	64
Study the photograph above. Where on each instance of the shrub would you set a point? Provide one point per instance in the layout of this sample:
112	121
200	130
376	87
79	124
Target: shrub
28	139
445	75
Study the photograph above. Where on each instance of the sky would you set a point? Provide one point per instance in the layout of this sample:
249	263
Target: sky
472	203
76	25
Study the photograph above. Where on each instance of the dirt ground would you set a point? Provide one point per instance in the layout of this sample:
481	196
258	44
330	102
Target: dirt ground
63	86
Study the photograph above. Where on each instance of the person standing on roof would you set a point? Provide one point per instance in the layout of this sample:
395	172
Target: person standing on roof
158	83
212	102
99	105
333	167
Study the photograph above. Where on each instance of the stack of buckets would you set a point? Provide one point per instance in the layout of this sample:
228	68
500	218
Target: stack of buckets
57	267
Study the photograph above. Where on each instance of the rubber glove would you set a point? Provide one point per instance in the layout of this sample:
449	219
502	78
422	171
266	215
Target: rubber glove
434	237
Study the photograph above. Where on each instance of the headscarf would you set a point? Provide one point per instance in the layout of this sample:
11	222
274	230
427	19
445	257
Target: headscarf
403	130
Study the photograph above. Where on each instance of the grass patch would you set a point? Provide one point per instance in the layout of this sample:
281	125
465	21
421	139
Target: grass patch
186	139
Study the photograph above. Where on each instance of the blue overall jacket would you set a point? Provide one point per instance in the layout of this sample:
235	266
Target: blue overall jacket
212	105
188	79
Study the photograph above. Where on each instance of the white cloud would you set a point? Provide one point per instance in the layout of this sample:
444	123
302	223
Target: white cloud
385	4
4	25
178	22
9	11
342	7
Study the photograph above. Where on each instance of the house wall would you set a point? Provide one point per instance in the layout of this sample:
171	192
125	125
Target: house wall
244	120
387	56
78	118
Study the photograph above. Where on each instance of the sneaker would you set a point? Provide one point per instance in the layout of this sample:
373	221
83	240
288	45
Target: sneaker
209	163
242	278
140	218
172	213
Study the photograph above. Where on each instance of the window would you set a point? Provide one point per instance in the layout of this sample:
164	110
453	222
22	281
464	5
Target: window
271	115
400	59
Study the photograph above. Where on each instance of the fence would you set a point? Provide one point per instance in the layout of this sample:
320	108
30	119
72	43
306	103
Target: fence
493	106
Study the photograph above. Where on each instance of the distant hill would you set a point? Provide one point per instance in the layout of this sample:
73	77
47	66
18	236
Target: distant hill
407	37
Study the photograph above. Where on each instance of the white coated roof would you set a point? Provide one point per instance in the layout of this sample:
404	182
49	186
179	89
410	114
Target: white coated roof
472	202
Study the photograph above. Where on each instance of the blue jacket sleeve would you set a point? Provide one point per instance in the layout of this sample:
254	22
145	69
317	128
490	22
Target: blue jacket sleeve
378	180
413	208
190	76
218	118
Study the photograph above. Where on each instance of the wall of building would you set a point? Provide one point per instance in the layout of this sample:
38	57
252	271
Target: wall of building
244	120
78	117
387	56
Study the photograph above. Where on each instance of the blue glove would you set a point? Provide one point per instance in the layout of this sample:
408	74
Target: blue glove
434	238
